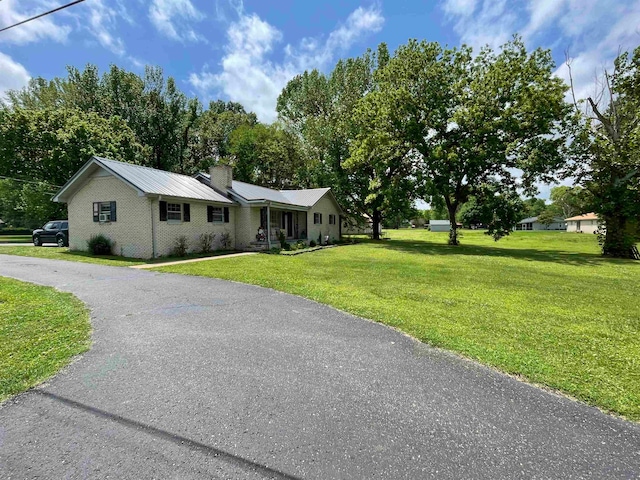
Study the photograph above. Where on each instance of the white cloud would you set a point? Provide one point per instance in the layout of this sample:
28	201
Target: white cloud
463	8
14	76
174	17
249	77
102	20
592	31
46	28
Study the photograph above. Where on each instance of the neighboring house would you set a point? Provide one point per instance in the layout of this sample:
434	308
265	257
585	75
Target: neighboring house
587	223
144	210
439	225
358	226
532	223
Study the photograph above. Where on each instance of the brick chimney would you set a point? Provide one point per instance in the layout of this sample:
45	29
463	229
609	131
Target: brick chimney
221	177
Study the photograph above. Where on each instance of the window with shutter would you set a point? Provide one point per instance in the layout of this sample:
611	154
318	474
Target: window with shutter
186	214
163	211
104	212
174	211
217	214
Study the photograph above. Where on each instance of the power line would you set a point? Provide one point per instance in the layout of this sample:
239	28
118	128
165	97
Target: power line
28	181
42	15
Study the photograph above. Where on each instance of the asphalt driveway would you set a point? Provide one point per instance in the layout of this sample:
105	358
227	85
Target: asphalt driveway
194	377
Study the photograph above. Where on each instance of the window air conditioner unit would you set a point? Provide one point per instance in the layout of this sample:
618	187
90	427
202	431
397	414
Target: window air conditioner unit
103	217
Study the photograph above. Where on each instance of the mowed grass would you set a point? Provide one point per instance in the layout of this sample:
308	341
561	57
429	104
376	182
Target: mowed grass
57	253
540	305
41	329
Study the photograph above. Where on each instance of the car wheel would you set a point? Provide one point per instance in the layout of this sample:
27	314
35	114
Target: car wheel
61	242
36	241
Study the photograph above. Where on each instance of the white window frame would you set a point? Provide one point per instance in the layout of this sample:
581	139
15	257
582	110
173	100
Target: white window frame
174	214
317	218
215	211
104	208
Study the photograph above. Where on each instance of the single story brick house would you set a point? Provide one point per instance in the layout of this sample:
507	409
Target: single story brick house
532	223
587	223
144	210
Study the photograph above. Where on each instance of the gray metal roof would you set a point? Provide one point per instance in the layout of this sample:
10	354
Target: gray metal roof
308	197
151	181
535	219
255	193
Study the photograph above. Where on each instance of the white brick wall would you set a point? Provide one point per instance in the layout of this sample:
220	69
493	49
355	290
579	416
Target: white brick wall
167	232
326	206
247	224
131	232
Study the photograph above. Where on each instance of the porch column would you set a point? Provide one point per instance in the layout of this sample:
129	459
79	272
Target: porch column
268	226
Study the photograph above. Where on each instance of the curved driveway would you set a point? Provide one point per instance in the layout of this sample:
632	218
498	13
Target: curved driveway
194	377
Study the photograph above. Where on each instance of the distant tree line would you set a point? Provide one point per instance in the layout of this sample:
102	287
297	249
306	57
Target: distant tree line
467	132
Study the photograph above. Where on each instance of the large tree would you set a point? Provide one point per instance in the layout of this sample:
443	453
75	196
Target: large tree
472	120
323	112
606	155
51	145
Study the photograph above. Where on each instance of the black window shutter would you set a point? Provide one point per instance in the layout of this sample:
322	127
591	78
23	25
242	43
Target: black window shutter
163	211
320	219
113	211
226	214
186	217
96	211
209	213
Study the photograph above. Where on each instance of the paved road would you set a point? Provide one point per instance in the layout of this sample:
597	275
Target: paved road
198	378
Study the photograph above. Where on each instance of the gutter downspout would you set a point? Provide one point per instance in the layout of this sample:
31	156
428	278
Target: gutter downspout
153	229
269	225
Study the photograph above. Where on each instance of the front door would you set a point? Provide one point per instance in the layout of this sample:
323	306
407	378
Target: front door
288	223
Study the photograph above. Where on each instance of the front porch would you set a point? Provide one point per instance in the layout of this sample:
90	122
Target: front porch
292	223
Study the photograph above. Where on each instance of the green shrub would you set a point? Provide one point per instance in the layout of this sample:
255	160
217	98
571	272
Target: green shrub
286	246
180	246
275	250
225	241
100	245
320	239
282	239
312	243
206	241
301	244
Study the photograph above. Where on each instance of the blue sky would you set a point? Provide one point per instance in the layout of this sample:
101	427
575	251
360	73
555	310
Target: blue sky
247	51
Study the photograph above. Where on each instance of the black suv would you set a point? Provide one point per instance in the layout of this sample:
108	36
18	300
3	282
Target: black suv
56	231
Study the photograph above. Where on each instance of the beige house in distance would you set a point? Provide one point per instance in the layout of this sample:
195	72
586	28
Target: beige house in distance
587	223
144	210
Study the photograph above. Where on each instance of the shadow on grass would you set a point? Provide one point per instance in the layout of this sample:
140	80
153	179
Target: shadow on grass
555	256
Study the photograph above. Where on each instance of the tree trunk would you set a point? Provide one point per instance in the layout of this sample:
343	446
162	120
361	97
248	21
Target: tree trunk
452	208
377	217
619	239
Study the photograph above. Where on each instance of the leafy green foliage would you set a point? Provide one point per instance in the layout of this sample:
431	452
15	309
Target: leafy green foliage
467	121
606	155
206	241
180	246
100	244
267	155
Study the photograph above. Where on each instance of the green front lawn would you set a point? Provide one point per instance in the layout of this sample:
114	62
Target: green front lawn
57	253
41	329
542	305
